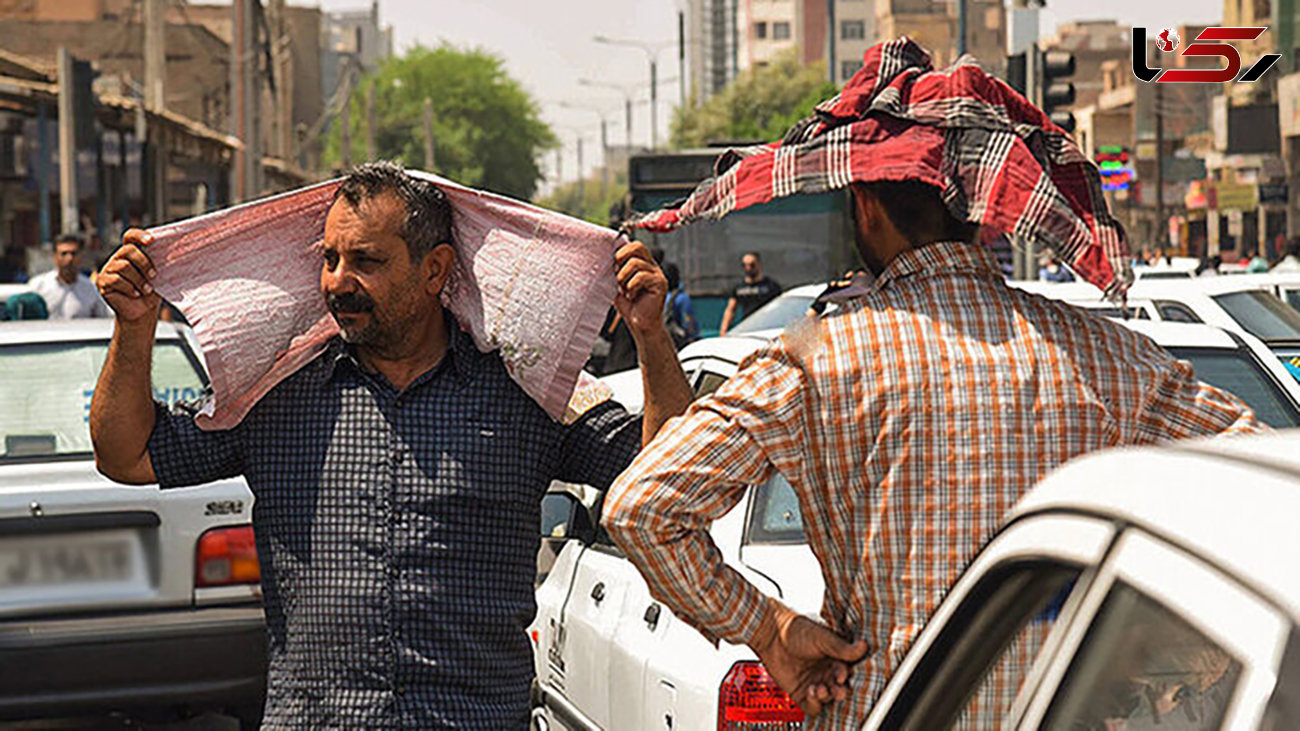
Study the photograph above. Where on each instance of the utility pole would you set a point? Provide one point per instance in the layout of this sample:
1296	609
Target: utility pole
604	160
1162	226
830	40
370	122
627	123
681	59
155	54
247	92
654	105
43	169
428	134
961	28
69	220
345	133
581	175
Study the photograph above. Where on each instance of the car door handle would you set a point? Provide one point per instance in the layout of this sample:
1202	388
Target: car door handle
598	592
651	615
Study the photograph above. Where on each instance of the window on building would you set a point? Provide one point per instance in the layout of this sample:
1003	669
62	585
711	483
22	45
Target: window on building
781	31
852	30
760	30
848	69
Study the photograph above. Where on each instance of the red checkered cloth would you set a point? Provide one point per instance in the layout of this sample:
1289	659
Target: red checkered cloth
998	160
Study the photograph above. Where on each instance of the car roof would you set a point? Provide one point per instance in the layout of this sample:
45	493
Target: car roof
806	290
1231	501
732	348
1182	334
55	331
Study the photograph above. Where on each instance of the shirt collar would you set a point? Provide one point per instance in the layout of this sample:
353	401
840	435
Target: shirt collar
460	359
940	257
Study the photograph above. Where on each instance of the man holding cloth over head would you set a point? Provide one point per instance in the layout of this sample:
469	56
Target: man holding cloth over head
398	474
912	418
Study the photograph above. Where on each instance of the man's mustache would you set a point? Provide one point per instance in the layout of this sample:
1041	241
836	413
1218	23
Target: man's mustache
349	302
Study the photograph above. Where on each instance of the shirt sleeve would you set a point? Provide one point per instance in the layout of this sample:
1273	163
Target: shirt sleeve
599	445
697	469
1179	407
183	454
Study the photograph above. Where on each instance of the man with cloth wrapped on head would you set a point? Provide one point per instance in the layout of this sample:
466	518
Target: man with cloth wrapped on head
911	419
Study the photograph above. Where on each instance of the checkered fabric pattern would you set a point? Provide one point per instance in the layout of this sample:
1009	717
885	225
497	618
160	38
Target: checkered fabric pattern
398	533
998	160
908	423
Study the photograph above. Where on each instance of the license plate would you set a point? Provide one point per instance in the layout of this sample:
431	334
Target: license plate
100	558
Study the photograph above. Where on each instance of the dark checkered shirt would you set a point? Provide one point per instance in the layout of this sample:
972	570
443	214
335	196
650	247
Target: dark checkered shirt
398	533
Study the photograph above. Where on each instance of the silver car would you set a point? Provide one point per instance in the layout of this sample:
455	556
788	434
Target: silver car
113	597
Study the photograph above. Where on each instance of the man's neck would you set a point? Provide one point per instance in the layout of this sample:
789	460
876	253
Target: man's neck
70	278
754	279
402	363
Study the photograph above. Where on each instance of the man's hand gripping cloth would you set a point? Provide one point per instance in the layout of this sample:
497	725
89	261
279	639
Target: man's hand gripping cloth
998	159
529	282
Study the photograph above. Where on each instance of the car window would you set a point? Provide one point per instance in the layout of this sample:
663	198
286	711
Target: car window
1119	313
1237	372
775	315
775	516
708	383
1175	312
47	387
971	674
1141	666
1292	298
1262	314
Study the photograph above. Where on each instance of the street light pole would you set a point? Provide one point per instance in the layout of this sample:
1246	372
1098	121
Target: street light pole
652	54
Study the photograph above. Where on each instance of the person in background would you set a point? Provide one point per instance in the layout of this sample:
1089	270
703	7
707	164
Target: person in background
1258	264
679	312
13	266
1290	262
67	292
1209	266
1053	271
754	291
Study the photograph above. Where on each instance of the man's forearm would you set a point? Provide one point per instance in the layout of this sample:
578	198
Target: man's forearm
727	316
122	410
667	394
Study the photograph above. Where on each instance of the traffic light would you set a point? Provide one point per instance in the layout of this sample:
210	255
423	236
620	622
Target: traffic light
1054	91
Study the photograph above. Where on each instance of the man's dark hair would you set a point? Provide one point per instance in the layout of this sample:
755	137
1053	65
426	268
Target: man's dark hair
1293	246
673	275
918	212
428	213
69	239
753	254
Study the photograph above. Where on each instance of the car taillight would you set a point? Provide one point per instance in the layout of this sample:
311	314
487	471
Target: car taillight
227	556
750	700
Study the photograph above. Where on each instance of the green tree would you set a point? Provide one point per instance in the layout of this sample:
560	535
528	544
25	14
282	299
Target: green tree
586	201
487	130
760	105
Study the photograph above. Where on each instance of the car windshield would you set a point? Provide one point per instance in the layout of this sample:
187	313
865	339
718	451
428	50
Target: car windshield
1262	314
1239	373
46	390
775	315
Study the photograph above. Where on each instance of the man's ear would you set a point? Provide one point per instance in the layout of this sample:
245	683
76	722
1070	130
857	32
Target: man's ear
436	268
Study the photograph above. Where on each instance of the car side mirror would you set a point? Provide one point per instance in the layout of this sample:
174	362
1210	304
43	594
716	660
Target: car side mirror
565	517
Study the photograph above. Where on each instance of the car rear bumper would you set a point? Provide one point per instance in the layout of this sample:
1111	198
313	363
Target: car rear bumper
196	658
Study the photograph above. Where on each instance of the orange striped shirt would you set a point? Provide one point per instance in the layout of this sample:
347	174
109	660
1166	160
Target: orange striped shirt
908	425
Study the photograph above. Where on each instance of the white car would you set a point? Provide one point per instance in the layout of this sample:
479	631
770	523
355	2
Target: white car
115	598
1160	599
607	656
1247	303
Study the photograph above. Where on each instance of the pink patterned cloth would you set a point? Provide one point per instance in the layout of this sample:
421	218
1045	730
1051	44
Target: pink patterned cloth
531	283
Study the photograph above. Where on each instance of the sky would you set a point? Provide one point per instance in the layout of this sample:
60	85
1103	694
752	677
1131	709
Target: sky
548	46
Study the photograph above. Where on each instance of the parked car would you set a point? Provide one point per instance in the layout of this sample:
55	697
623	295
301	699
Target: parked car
1244	303
115	597
1156	598
608	656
